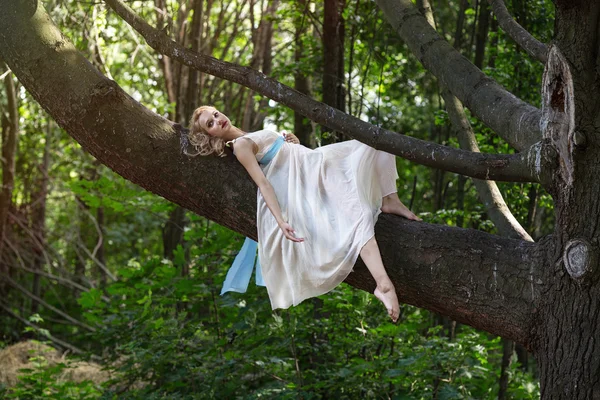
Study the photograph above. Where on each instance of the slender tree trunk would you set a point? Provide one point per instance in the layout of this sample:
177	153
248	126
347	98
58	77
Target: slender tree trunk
38	223
261	40
508	348
267	63
173	232
100	273
10	130
193	84
333	59
483	26
302	125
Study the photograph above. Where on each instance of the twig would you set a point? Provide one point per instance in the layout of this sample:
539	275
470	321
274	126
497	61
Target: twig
58	341
531	45
43	303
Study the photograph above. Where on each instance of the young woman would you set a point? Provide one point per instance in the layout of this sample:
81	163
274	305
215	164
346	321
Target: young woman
316	208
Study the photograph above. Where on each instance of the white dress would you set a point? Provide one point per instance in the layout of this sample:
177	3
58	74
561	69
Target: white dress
332	197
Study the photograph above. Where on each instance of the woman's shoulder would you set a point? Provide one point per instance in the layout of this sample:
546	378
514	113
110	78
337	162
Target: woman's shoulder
263	132
260	138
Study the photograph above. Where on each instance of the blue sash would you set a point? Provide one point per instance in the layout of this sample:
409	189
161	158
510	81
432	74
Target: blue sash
239	273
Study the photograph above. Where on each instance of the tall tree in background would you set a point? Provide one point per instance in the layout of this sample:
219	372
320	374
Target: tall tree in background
333	58
302	125
9	120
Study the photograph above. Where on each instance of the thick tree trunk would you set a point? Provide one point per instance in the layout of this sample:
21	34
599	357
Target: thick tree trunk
567	348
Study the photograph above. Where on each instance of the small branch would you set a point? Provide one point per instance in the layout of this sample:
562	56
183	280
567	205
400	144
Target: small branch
499	167
488	191
61	343
510	117
524	39
43	303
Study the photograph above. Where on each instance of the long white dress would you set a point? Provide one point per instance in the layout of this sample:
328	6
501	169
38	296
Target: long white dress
332	197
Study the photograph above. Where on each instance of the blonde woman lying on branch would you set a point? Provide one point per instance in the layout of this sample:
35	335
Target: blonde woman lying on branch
316	210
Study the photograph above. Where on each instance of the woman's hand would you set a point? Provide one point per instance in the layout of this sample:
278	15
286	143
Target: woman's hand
291	138
289	232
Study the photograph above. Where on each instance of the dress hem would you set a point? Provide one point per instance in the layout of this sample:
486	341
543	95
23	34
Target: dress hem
346	274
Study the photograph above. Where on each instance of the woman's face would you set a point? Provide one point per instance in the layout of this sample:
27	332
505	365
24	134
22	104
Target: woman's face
214	122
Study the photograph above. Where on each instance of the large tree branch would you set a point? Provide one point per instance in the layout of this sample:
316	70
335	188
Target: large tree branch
465	274
515	167
531	45
513	119
476	278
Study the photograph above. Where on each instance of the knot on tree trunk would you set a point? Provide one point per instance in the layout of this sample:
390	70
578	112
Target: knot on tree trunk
579	258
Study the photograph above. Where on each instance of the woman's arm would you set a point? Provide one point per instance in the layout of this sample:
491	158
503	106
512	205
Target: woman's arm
244	152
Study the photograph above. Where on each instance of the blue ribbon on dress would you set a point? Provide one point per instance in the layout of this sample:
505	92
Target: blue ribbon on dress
240	272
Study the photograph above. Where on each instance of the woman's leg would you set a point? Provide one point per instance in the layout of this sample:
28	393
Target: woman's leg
392	205
385	290
385	165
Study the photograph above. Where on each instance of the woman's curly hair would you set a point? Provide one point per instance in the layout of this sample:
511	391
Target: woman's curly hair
204	144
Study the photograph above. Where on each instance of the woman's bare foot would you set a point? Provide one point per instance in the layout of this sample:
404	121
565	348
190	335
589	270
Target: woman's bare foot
392	205
387	295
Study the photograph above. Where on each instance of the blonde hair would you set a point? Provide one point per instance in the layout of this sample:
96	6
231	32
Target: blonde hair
204	144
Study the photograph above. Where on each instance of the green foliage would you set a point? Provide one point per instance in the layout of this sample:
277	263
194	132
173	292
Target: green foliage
174	337
44	381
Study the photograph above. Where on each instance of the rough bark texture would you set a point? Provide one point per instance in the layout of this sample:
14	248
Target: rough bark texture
568	351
